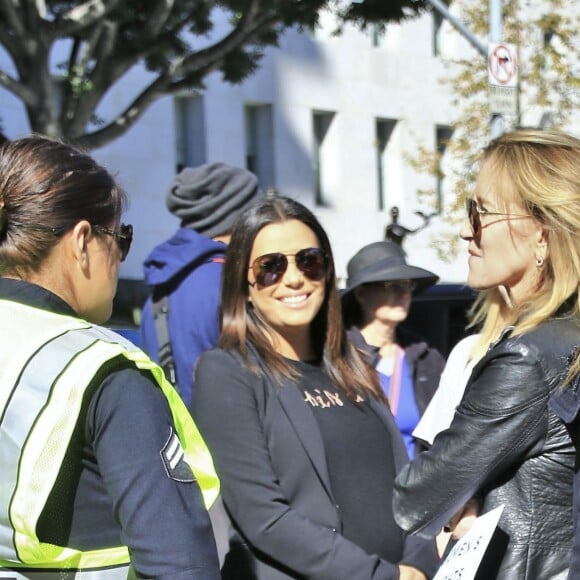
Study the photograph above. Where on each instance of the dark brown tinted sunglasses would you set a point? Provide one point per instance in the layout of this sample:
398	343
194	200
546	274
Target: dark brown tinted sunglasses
270	268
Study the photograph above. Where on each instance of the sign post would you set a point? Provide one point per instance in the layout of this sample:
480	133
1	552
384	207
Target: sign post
502	68
498	92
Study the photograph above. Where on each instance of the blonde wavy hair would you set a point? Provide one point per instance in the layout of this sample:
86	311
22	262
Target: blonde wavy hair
542	169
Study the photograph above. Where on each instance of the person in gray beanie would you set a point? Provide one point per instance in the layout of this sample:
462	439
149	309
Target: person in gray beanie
210	198
180	320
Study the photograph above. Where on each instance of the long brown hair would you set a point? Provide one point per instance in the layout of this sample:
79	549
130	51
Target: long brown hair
241	326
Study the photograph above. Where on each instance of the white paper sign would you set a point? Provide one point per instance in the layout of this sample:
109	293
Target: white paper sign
465	557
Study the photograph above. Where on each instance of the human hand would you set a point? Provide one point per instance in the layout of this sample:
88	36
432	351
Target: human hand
462	521
410	573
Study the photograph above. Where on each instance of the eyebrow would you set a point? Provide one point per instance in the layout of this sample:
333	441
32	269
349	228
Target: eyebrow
485	203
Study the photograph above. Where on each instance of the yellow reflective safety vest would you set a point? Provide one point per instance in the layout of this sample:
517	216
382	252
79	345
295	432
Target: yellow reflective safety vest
47	361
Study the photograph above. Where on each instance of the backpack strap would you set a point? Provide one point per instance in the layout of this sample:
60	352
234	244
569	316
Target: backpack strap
160	307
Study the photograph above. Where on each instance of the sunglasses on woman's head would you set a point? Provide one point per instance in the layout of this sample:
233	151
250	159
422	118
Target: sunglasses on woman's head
474	213
269	269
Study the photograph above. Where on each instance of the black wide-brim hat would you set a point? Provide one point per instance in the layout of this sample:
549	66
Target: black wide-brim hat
384	262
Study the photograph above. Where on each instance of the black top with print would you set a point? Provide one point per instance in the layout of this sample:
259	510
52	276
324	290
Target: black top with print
360	464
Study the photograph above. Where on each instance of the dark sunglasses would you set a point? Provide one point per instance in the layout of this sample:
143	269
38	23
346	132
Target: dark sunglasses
397	286
474	213
123	236
270	268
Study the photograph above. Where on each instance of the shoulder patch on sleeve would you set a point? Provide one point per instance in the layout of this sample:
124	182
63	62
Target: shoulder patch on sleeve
173	458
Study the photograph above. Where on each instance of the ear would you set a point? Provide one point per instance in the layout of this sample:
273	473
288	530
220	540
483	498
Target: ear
541	234
540	246
542	241
79	239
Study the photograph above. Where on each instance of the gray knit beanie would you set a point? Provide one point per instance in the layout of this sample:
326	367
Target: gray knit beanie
210	198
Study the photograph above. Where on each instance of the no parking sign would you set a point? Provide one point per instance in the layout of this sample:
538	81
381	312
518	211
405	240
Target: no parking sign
502	68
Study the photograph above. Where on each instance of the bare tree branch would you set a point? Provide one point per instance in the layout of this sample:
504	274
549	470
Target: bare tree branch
22	91
83	16
206	61
31	17
13	16
249	26
127	119
89	46
158	18
41	8
104	74
11	44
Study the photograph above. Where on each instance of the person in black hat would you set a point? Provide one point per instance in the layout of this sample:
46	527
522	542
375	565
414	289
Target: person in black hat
180	320
379	289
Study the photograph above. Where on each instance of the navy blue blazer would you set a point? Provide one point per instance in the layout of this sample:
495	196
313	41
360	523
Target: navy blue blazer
269	454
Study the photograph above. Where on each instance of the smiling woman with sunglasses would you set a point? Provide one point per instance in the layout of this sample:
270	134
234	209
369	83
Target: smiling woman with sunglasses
96	449
299	429
506	445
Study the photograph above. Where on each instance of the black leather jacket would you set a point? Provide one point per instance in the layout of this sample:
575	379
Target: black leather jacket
506	446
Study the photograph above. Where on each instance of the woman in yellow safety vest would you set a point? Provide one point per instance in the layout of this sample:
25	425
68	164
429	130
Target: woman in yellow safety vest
100	464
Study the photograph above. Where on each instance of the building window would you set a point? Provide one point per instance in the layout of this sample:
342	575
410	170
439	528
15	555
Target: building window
189	131
260	143
443	134
323	154
547	37
378	35
384	129
438	20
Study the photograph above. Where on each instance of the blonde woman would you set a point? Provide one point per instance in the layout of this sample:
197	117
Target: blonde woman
505	445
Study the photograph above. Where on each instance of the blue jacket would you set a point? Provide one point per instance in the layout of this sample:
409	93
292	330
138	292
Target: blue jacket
188	266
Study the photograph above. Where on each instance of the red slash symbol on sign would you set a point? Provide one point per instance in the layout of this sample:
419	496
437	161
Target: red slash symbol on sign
502	64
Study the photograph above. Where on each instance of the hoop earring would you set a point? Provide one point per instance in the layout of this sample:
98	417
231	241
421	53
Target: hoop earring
539	262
